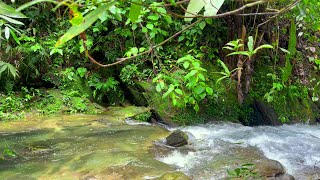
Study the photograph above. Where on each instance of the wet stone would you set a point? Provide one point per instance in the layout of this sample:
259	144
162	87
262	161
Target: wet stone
177	138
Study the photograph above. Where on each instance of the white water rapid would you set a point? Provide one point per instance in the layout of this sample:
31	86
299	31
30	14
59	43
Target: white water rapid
296	147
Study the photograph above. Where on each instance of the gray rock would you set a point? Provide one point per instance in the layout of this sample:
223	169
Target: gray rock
177	138
270	168
282	177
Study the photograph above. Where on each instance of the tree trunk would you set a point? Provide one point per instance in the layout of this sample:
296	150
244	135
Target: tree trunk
239	86
242	34
248	75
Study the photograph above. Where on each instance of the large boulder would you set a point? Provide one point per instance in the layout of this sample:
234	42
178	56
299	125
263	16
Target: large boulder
177	138
269	168
264	114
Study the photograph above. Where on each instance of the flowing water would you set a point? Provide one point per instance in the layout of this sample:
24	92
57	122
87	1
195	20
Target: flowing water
104	147
297	147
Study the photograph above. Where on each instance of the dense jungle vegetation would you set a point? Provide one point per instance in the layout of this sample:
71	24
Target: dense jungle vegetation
191	61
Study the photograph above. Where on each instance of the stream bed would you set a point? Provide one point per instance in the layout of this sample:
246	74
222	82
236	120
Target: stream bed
90	147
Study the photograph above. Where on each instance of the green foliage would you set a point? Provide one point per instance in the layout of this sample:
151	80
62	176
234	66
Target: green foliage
226	73
244	171
234	46
109	88
87	21
309	12
135	10
185	86
8	153
11	70
287	70
132	72
143	117
195	6
8	20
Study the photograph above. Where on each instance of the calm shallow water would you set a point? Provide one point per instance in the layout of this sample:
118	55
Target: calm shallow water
80	147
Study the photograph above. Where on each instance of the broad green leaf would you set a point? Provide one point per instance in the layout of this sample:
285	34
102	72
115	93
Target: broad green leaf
209	91
158	88
171	88
10	20
186	64
196	108
199	89
10	11
178	91
135	10
150	26
174	101
134	51
168	19
201	76
190	74
245	53
265	46
31	3
202	25
153	17
88	20
173	2
144	29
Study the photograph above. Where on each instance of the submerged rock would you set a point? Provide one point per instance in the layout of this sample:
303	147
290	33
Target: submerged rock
173	176
177	138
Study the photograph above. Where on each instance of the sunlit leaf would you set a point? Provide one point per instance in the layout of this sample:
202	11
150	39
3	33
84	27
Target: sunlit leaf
245	53
31	3
195	6
88	20
135	10
10	20
10	11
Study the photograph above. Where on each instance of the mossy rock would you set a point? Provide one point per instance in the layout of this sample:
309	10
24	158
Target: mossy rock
174	176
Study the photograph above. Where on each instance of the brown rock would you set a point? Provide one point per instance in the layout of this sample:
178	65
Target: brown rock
270	168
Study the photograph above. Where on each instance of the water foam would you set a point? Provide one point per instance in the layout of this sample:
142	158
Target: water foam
297	147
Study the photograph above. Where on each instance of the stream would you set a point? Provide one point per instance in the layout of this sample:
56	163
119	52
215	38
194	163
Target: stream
90	147
296	147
